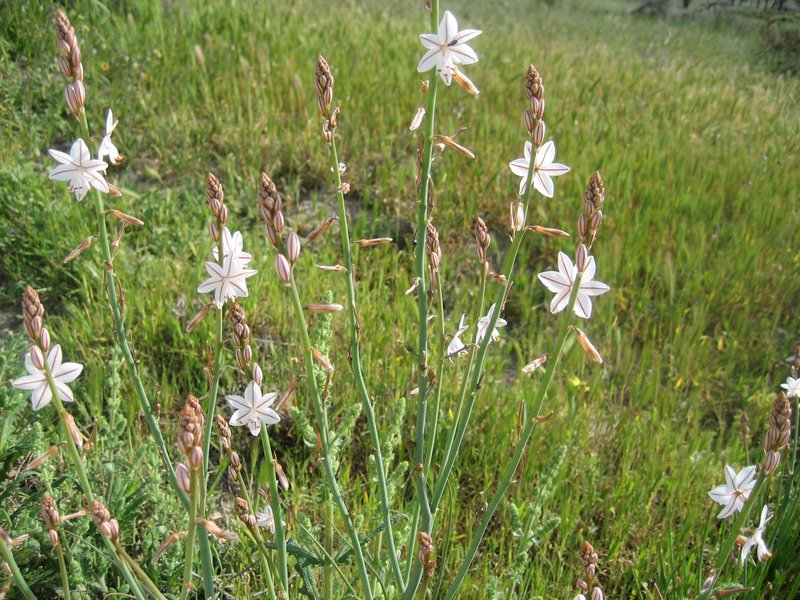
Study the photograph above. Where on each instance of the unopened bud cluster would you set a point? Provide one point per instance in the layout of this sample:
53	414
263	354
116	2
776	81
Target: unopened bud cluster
324	82
780	429
426	554
70	64
244	513
533	115
32	316
240	333
51	518
592	214
190	432
102	518
482	240
434	251
589	558
271	210
215	196
226	445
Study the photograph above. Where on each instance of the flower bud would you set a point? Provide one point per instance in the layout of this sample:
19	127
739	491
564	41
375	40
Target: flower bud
75	94
374	242
248	354
258	376
538	134
183	477
530	122
223	214
197	458
279	222
44	339
587	345
517	216
584	587
293	247
283	268
581	258
37	358
597	594
534	364
213	231
771	462
236	461
324	308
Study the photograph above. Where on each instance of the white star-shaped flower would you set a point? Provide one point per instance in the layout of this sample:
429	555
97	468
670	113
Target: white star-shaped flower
266	519
544	170
447	48
227	281
36	382
792	387
483	326
79	170
757	539
456	346
233	244
107	147
560	282
253	409
734	492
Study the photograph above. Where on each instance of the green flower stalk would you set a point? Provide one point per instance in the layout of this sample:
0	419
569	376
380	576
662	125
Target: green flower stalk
324	85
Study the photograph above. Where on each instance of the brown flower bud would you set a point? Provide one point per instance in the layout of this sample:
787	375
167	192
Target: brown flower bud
293	247
771	462
320	229
258	375
587	345
183	477
597	594
417	120
464	82
197	319
283	269
324	308
74	432
324	83
548	231
218	531
44	339
79	249
538	134
374	242
102	518
529	120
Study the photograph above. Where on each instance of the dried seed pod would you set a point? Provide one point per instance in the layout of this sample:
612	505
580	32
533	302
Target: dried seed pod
374	242
417	120
320	229
324	308
244	514
517	216
197	319
464	82
587	345
79	249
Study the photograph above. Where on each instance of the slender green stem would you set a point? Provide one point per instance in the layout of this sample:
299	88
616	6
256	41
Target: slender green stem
443	347
188	559
358	373
122	338
151	587
329	558
62	569
516	458
319	412
474	386
77	462
133	372
211	402
8	557
277	514
736	527
327	570
422	300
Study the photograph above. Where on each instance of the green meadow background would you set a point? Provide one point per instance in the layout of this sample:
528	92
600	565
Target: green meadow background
694	129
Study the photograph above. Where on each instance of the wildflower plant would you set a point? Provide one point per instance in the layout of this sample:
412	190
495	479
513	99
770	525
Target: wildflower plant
394	553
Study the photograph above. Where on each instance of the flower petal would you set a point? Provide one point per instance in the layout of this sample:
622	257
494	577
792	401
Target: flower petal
54	357
594	288
546	154
64	391
559	302
430	59
554	281
543	183
448	27
29	382
583	306
466	35
67	372
519	167
461	54
41	397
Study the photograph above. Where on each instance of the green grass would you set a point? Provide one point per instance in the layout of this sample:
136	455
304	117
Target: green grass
699	151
